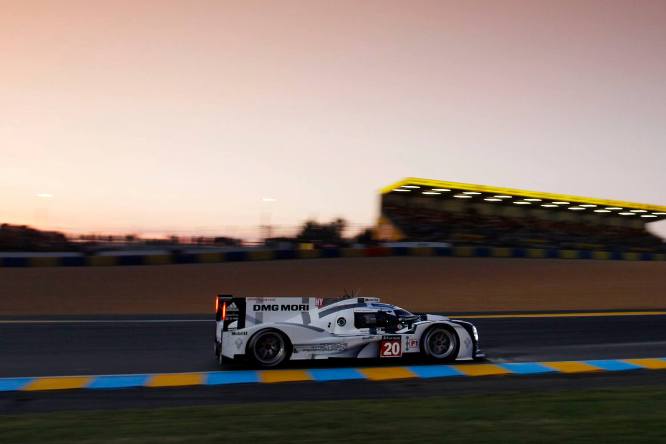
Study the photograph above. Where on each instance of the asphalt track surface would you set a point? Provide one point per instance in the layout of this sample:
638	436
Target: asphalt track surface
153	345
97	346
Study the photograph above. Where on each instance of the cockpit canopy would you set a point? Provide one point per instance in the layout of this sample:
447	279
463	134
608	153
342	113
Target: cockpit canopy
384	316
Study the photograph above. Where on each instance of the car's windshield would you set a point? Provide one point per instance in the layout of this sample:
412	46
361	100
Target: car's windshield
402	313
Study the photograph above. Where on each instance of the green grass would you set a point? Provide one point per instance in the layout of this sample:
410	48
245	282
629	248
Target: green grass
609	416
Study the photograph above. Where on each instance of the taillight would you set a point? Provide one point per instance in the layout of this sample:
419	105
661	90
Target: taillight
225	303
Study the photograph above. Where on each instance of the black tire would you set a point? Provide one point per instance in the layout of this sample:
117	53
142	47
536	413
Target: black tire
268	348
440	343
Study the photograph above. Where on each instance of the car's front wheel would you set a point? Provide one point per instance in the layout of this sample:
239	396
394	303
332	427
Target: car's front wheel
440	343
268	348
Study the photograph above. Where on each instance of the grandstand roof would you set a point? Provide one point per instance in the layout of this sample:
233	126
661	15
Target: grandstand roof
525	198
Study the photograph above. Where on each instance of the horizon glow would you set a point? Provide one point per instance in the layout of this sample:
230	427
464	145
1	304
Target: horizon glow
181	117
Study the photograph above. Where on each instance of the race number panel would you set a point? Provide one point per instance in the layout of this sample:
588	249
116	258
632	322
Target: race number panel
390	347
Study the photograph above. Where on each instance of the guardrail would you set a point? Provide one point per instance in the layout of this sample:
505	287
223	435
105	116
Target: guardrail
263	255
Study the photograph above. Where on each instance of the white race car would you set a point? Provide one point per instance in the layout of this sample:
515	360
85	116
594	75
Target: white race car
269	331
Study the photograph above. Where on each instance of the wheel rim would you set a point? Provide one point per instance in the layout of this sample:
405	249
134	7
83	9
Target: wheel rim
269	348
440	343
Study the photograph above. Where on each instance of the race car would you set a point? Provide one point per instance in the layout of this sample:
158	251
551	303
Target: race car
270	331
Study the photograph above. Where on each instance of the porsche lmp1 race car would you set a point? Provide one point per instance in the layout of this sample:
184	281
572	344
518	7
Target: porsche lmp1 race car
271	330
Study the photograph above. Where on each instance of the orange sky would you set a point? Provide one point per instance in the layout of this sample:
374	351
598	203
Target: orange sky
157	116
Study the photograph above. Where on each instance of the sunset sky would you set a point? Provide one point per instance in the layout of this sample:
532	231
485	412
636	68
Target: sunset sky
183	116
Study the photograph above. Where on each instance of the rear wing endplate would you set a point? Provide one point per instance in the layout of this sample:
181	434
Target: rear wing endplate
229	309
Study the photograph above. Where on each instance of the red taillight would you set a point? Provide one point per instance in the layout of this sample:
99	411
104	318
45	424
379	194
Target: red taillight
224	311
217	305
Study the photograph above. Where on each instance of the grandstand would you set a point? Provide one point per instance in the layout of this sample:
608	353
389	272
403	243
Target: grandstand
424	210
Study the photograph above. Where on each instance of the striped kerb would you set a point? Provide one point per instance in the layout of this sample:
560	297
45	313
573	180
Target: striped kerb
336	374
323	375
101	261
571	366
175	379
481	369
157	259
501	252
650	363
387	373
261	255
271	376
58	383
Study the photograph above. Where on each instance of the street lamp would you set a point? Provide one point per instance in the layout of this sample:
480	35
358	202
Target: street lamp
265	222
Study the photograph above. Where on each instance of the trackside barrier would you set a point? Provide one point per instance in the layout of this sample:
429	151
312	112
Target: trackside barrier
263	255
325	374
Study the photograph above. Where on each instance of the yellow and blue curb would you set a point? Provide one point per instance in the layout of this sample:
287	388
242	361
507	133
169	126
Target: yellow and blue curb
263	255
325	375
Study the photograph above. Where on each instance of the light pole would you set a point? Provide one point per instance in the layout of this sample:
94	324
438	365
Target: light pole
265	219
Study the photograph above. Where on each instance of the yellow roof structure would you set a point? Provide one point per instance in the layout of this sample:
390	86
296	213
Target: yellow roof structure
490	194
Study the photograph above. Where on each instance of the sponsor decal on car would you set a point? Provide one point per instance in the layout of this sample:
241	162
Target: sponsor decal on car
390	346
339	346
232	312
281	307
412	344
238	333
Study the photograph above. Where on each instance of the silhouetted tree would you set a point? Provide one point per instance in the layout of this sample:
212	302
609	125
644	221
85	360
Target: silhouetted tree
365	237
322	233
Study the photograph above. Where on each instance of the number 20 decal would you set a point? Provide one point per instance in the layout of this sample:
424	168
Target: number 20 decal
390	349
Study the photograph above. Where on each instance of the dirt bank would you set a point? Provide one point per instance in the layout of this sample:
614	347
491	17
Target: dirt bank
419	283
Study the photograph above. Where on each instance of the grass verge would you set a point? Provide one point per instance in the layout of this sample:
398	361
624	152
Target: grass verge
609	416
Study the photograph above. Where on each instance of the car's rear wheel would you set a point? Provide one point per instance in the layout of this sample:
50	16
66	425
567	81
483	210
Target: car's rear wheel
268	348
440	343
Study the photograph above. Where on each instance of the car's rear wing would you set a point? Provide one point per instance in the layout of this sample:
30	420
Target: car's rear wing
229	309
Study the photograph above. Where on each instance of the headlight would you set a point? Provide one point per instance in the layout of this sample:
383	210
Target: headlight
476	334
